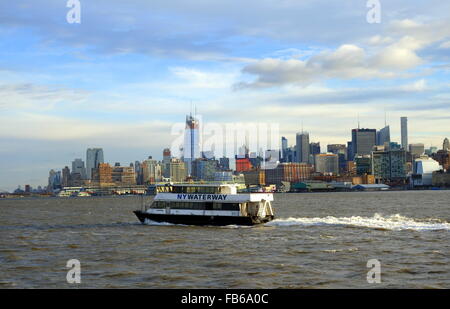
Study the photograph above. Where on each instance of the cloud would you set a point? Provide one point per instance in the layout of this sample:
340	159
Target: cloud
203	79
346	62
38	97
195	30
445	45
47	127
380	40
384	57
399	56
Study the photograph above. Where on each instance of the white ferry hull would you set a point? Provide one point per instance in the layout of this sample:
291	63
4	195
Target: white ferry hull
202	220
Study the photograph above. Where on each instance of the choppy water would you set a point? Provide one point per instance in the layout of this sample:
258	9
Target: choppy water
319	240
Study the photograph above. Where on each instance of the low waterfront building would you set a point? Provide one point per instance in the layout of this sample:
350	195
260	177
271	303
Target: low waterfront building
423	171
389	166
256	177
371	187
443	157
363	179
311	186
341	185
441	179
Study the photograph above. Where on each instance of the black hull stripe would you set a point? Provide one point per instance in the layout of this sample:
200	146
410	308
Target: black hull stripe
200	220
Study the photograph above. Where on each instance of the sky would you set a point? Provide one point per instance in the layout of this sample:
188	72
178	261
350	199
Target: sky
130	70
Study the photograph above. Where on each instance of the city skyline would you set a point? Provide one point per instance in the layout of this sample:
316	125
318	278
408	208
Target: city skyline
93	153
121	78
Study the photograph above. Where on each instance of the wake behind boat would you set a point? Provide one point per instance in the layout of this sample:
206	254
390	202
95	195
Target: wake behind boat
201	204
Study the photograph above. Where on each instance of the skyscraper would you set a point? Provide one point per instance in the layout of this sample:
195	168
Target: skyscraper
191	149
54	180
94	156
78	167
224	164
341	151
446	144
314	149
151	171
204	169
363	141
65	181
138	172
284	147
302	147
177	170
383	136
416	150
404	132
167	156
350	153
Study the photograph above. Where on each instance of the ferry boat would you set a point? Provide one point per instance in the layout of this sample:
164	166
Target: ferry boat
201	204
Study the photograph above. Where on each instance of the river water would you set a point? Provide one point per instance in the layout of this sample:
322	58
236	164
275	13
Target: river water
318	240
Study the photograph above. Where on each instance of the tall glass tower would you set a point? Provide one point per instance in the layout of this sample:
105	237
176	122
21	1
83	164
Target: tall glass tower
404	132
363	141
191	149
302	147
383	136
94	156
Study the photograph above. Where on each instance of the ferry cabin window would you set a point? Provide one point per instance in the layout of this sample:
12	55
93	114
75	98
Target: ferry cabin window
194	189
209	206
230	206
164	189
197	205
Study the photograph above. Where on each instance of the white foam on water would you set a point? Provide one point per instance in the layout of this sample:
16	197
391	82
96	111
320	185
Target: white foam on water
151	222
234	226
393	222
